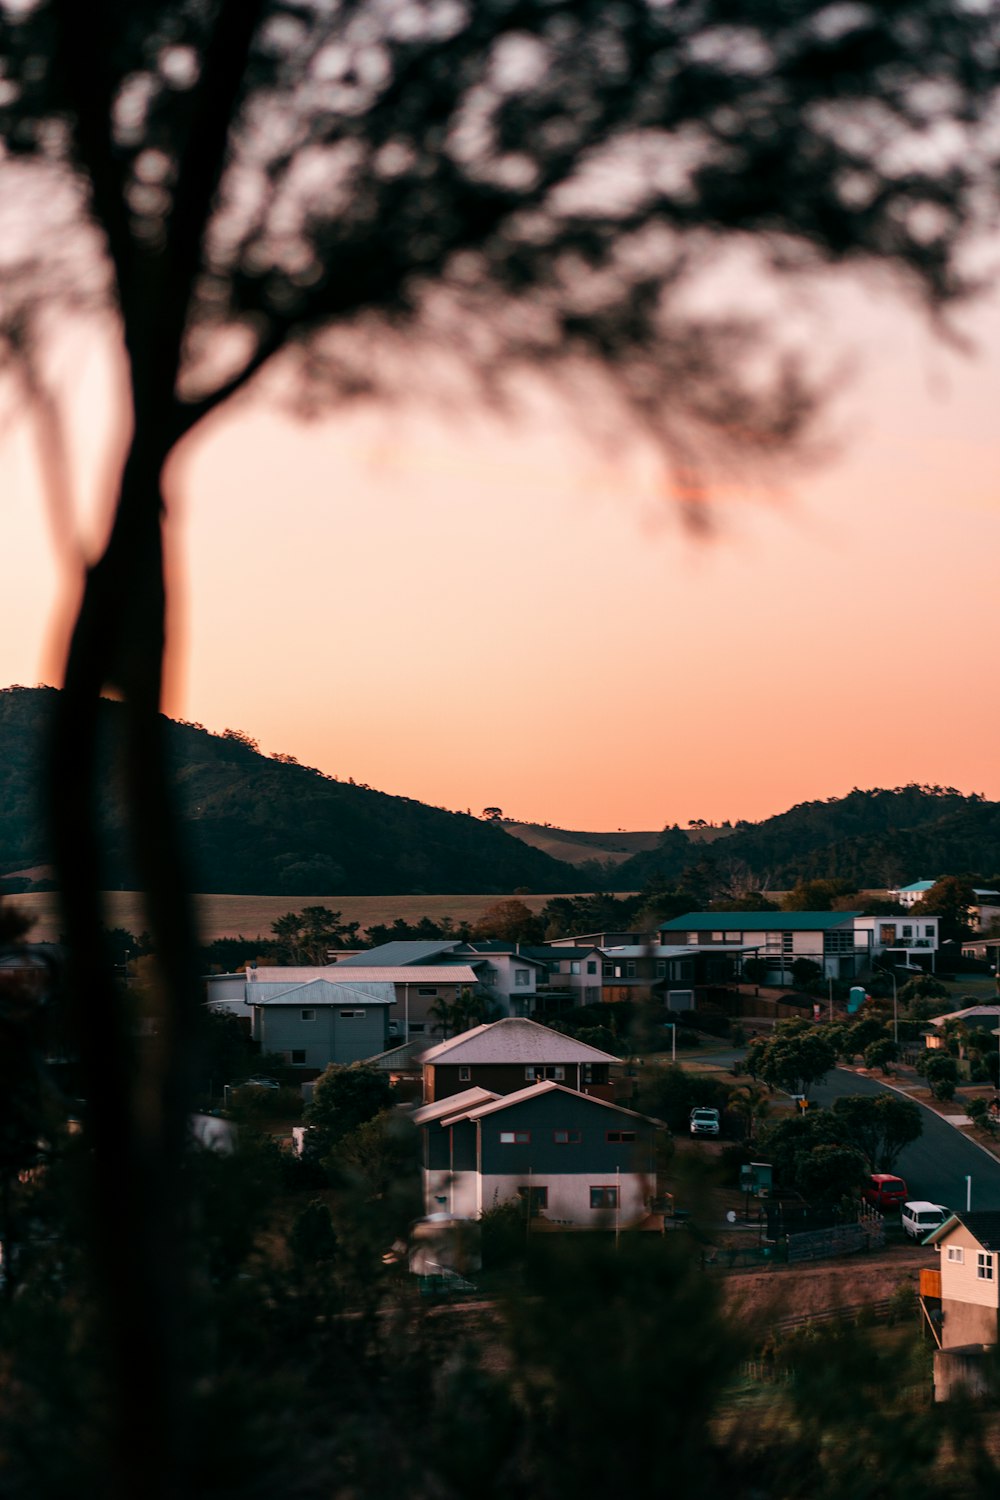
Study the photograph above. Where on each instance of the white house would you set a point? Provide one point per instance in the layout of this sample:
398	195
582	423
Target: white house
573	1159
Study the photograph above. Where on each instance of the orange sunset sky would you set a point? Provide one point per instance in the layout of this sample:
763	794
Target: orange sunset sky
473	613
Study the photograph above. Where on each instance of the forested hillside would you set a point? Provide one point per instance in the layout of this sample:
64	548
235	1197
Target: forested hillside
267	824
871	838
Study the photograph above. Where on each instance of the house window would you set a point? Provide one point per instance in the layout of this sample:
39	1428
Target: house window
591	966
417	1028
984	1266
604	1197
574	966
717	937
608	971
352	1015
630	969
907	929
692	938
733	937
515	1137
308	1015
661	968
929	930
537	1198
521	976
620	1135
956	1253
535	1072
465	1075
426	989
887	934
567	1137
298	1057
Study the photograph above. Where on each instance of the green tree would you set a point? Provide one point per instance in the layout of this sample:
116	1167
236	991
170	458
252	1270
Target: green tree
941	1072
306	937
751	1106
344	1098
815	895
511	920
796	1056
880	1126
881	1054
923	987
829	1173
951	899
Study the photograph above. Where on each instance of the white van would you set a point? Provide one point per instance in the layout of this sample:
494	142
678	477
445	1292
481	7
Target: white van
919	1218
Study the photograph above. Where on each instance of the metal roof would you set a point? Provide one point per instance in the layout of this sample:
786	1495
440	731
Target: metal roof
454	1104
406	974
514	1040
916	885
758	921
322	992
393	955
532	1091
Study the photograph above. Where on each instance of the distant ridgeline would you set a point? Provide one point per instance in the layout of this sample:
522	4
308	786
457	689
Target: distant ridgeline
265	824
872	839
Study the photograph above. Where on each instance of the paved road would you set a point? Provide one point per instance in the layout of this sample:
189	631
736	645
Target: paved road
935	1166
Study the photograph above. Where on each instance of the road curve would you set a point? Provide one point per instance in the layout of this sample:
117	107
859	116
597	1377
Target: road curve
935	1167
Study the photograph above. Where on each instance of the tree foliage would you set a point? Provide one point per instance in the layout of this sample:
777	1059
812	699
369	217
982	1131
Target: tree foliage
344	1098
880	1126
793	1058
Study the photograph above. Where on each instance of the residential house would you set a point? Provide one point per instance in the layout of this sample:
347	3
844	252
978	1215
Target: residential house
418	988
504	1056
318	1023
570	975
502	971
961	1301
575	1160
677	974
909	895
827	938
913	940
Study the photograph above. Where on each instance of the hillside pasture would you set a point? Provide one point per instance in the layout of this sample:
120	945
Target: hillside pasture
251	916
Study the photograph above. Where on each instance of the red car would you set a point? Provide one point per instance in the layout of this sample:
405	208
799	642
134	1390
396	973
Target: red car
885	1192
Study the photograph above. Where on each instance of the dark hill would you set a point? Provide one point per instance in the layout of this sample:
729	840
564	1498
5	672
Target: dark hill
262	824
871	838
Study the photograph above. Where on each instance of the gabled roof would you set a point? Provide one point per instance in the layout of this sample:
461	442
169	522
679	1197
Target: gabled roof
532	1091
915	886
984	1226
392	955
405	974
971	1012
543	951
322	992
758	921
398	1059
514	1040
453	1105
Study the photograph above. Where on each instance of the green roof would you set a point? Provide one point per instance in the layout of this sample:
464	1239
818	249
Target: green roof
758	921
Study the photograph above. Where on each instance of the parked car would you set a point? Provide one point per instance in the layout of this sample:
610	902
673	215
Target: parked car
704	1122
886	1192
919	1218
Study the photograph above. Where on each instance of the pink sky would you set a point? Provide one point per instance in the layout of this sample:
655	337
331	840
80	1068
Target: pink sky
473	614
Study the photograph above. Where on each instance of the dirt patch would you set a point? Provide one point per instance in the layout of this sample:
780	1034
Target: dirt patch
800	1291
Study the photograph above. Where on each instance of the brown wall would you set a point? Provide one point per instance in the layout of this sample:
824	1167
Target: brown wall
967	1323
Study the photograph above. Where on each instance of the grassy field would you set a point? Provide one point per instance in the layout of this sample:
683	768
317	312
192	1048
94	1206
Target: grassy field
251	916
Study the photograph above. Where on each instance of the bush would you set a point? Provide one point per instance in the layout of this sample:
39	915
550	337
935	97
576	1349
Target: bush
713	1022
